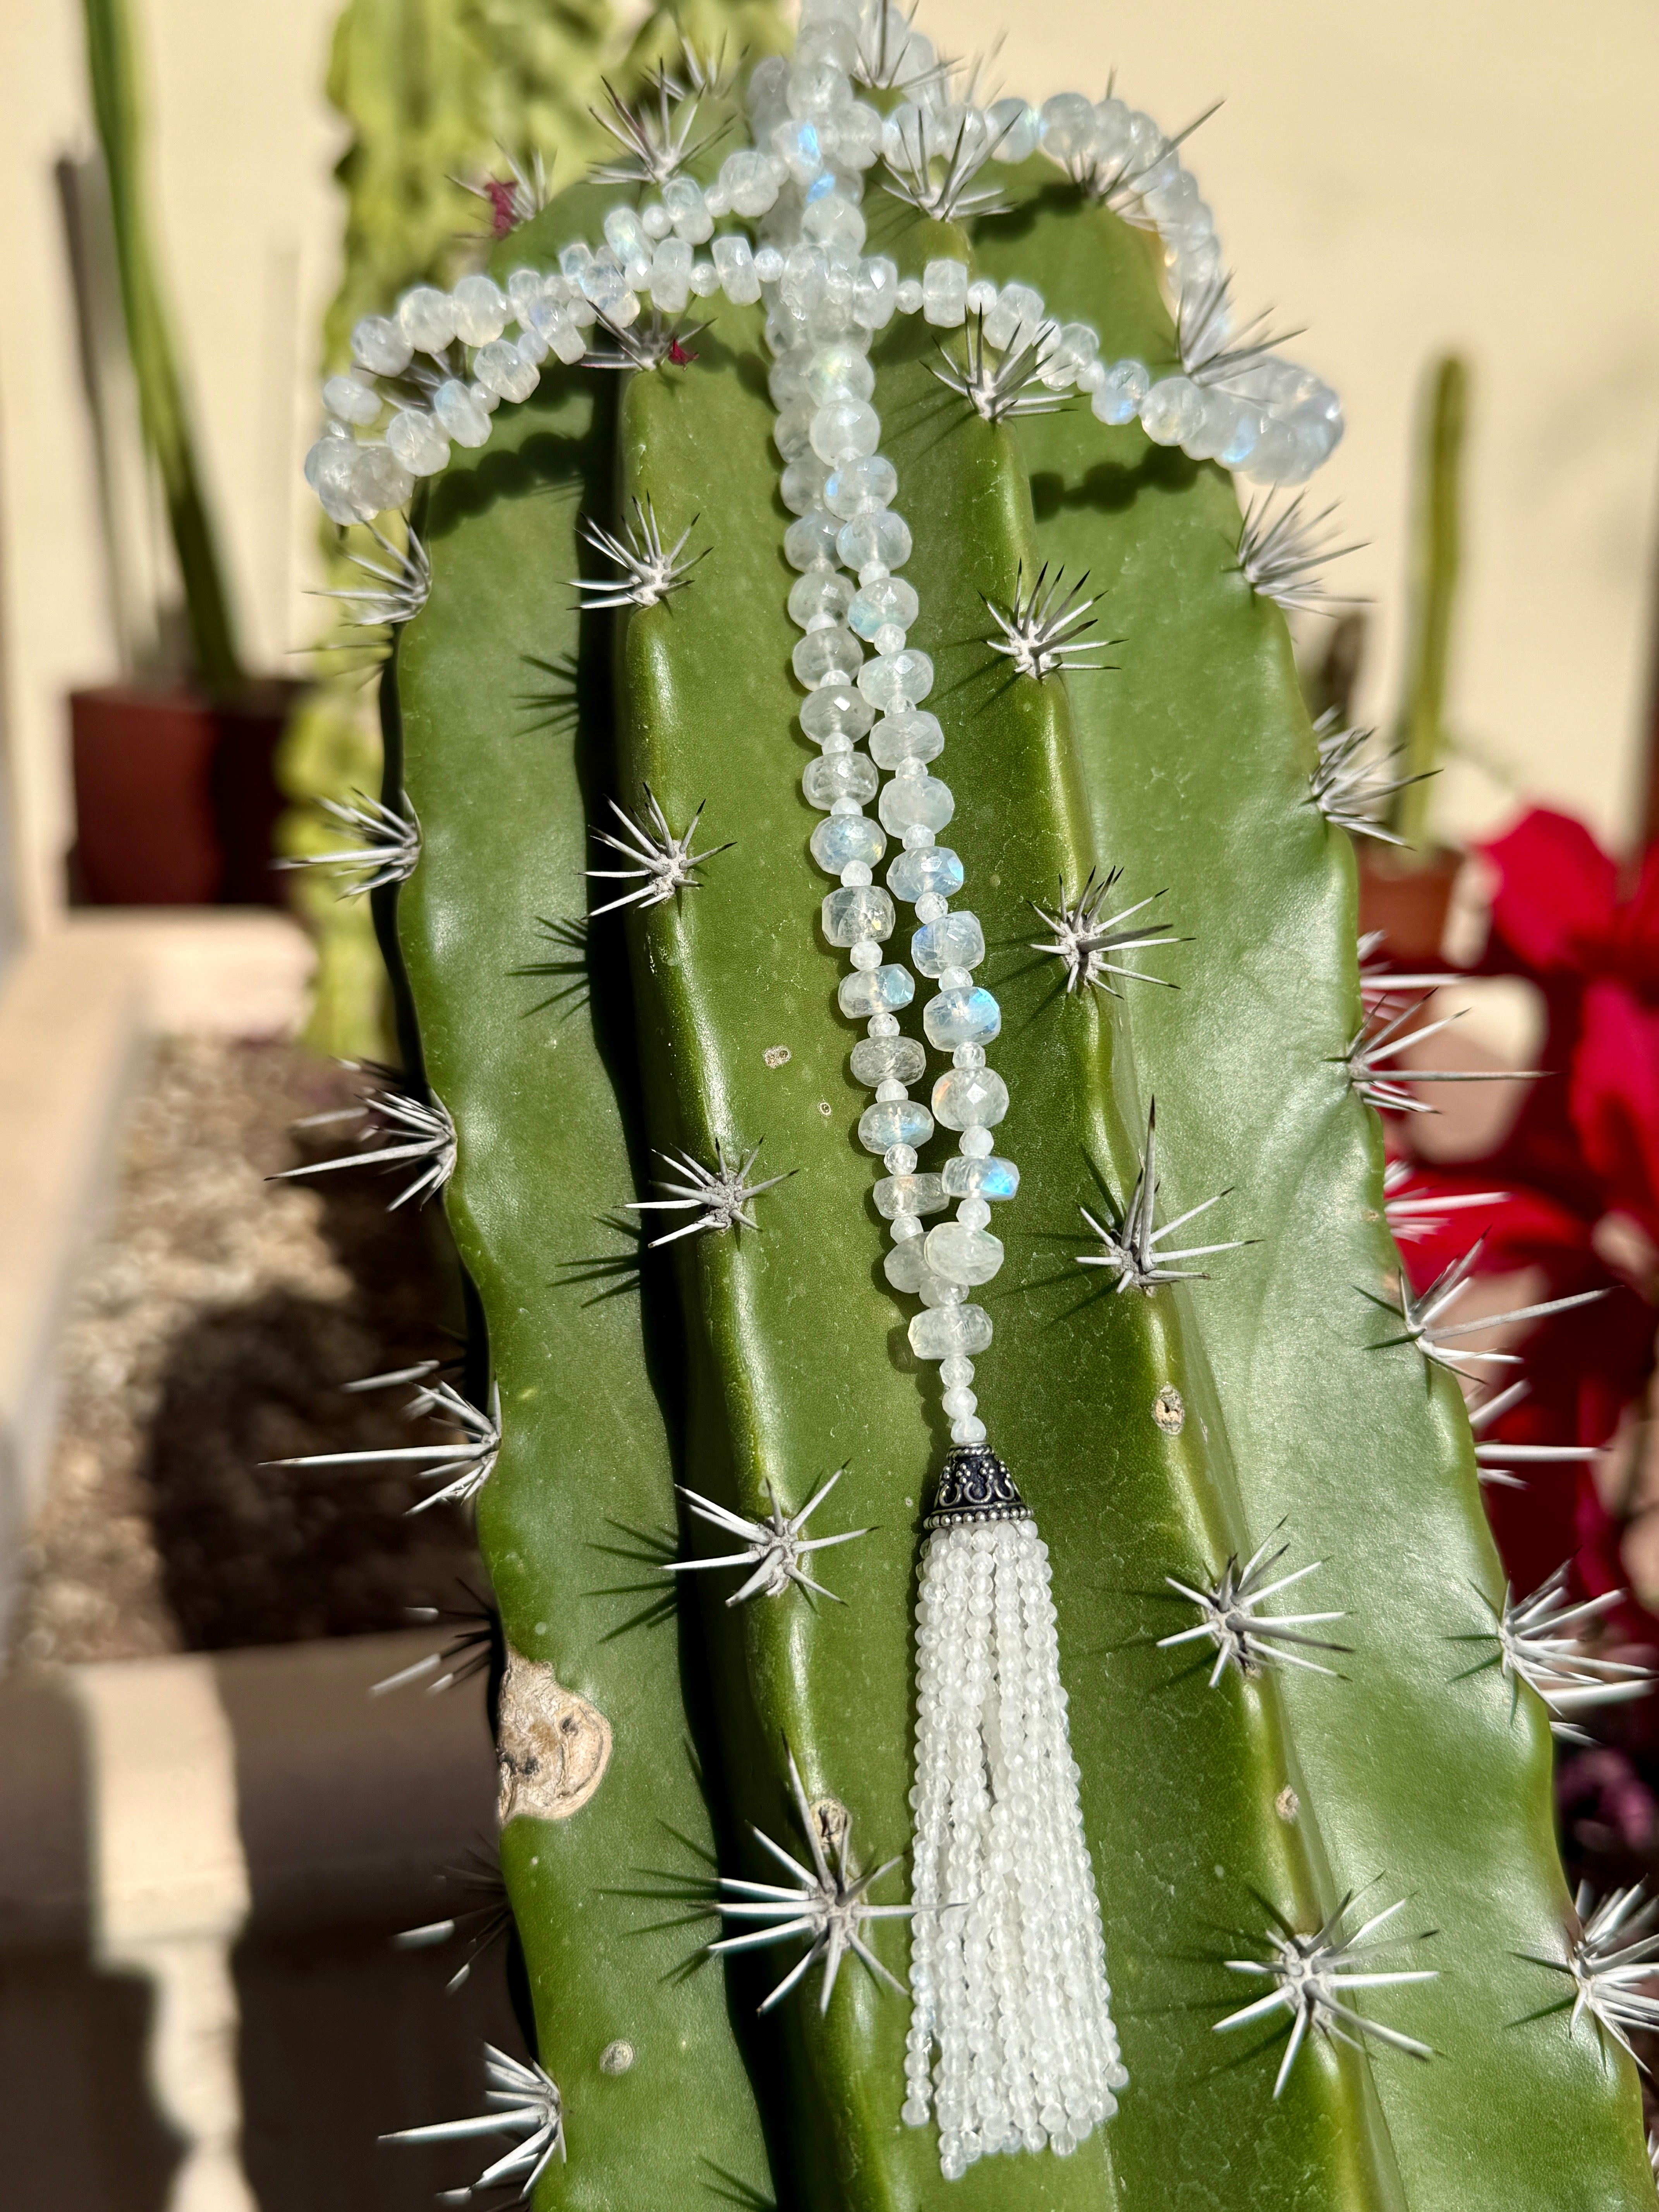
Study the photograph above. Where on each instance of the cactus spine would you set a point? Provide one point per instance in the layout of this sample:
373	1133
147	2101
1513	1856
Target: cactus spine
1271	1843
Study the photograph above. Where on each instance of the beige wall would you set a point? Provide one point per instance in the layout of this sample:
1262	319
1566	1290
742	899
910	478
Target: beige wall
1477	173
242	146
1401	178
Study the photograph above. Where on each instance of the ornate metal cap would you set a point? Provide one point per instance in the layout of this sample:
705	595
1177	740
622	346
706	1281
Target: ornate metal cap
974	1485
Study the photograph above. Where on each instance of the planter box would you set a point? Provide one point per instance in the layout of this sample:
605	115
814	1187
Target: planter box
176	801
1409	905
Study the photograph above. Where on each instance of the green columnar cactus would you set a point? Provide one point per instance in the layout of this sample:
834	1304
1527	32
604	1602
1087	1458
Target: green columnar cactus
1306	1736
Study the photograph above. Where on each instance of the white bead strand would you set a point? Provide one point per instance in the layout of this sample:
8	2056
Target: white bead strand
1008	1962
1008	1958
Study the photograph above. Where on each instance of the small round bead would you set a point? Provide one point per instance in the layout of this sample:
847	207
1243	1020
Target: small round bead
908	296
900	1159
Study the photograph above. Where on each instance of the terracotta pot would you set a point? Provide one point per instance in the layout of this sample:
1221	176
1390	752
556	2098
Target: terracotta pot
1408	903
176	799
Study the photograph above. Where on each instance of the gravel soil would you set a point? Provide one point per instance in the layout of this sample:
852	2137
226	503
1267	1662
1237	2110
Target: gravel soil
217	1316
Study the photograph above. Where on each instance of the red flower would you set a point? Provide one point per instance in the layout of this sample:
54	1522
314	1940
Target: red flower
1581	1168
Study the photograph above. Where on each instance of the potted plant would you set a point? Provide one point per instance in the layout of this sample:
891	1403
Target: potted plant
176	800
1406	882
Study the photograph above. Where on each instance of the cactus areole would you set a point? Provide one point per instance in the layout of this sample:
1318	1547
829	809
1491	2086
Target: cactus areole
875	1393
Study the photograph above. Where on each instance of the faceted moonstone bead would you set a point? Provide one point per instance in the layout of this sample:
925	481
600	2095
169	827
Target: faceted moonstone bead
328	470
835	710
992	1178
945	293
840	372
1019	125
962	1255
941	1332
887	1060
1118	399
379	480
1015	318
959	1017
1078	344
908	1194
845	430
804	484
792	433
820	592
875	292
625	235
524	288
1230	432
687	209
670	276
970	1098
906	1265
931	868
889	600
893	680
748	183
821	652
1068	126
883	537
503	369
838	776
352	402
462	416
877	991
381	345
909	802
809	540
896	1121
426	318
734	260
861	486
911	734
1172	410
858	913
840	839
834	224
957	941
417	441
481	310
562	333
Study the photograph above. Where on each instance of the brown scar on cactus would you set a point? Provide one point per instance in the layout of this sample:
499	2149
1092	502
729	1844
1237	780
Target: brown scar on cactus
553	1746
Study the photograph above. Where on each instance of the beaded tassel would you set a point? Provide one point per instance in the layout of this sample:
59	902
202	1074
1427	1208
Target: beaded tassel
1007	1961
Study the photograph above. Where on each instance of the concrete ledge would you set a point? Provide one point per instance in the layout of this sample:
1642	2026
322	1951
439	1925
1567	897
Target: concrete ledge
219	971
72	1032
340	1808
